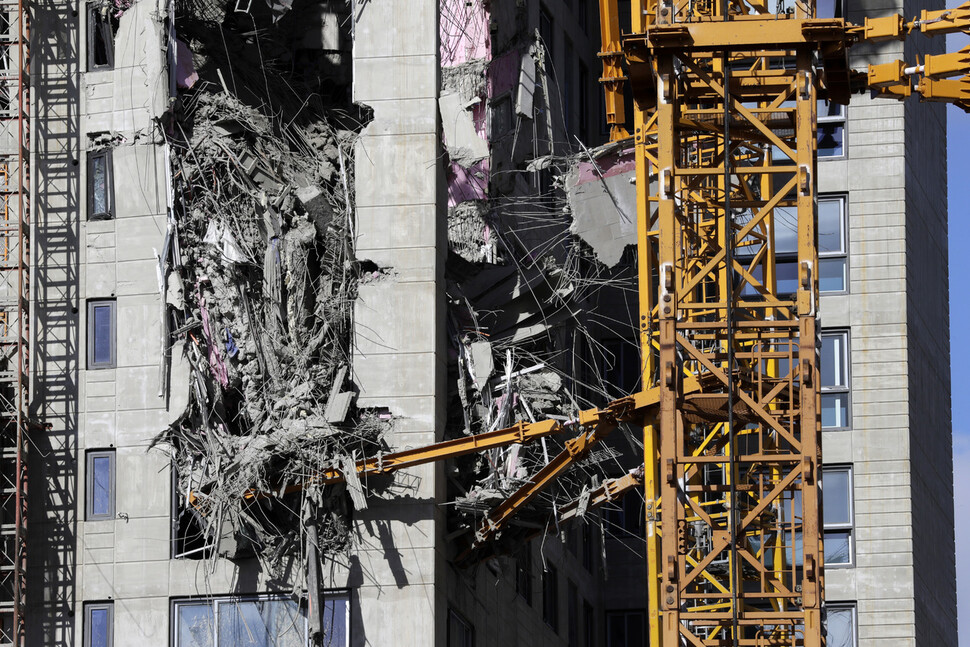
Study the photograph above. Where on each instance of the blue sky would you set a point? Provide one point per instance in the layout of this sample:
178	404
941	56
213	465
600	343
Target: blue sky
958	159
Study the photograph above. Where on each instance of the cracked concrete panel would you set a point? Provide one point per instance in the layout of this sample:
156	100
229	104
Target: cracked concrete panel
603	202
461	138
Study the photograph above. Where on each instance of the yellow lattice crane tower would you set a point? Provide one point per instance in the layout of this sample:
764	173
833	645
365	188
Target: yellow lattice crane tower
724	112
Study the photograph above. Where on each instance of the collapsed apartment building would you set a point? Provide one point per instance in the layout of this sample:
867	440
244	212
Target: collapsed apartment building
275	238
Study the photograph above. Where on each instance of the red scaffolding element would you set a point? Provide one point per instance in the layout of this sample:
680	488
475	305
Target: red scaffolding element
14	313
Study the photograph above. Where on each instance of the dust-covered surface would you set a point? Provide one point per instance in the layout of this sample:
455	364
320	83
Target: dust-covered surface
261	279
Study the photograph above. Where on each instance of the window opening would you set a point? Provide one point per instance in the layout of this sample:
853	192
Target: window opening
101	334
837	515
840	624
100	186
98	624
832	252
834	365
550	598
258	621
460	631
625	628
102	28
100	485
831	129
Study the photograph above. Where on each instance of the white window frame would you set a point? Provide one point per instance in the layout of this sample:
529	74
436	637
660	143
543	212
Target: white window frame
841	527
846	369
217	601
842	200
841	118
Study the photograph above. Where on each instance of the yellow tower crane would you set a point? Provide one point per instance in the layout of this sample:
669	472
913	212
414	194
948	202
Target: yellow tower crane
725	133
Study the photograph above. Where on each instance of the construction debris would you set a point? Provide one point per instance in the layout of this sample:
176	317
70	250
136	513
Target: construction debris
261	281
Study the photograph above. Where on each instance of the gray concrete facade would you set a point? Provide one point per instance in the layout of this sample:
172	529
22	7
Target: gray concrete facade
902	579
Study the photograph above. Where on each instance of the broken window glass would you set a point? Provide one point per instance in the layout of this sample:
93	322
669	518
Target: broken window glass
100	190
840	625
831	129
102	27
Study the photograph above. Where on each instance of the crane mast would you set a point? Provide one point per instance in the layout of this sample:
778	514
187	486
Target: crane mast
724	128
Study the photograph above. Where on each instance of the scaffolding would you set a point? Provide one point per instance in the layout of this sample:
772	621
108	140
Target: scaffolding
14	305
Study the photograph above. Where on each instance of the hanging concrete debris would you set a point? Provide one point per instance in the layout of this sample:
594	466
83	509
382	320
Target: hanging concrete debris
261	278
602	196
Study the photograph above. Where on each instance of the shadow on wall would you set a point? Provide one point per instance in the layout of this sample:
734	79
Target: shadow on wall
52	560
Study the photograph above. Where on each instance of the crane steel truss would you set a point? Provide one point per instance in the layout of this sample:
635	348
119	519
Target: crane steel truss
725	136
14	304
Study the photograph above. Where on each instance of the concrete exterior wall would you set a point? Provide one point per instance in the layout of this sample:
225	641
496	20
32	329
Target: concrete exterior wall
896	313
399	319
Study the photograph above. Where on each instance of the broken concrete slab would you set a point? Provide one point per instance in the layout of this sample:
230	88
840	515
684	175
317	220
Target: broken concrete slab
461	138
602	198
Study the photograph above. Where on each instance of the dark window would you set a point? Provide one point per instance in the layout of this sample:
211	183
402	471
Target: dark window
100	186
267	621
834	367
100	485
589	625
625	629
101	334
102	27
589	547
837	515
625	518
583	103
568	89
460	631
621	365
523	573
550	598
832	249
572	615
98	624
831	129
546	32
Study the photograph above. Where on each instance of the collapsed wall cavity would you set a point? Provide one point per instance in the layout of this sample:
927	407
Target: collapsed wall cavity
263	277
522	287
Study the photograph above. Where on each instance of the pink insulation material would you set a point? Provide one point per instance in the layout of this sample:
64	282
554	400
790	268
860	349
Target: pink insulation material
185	74
216	365
464	32
467	183
503	73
